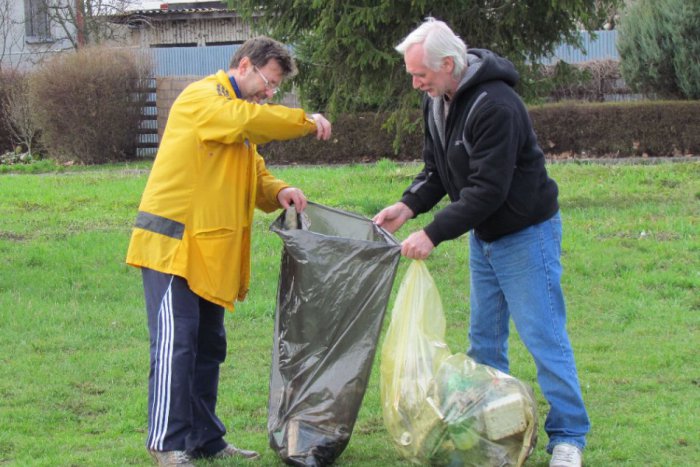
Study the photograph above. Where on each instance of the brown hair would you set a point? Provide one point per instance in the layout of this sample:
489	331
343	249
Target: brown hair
261	50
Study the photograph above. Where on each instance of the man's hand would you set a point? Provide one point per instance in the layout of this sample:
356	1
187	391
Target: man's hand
290	195
393	217
417	246
323	127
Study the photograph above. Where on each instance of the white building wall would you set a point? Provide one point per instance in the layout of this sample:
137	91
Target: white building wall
19	52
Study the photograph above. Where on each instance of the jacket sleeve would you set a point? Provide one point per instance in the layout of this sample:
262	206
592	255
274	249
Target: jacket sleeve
495	139
221	118
427	189
267	187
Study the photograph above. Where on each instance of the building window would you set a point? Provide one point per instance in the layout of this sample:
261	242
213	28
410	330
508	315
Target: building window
36	21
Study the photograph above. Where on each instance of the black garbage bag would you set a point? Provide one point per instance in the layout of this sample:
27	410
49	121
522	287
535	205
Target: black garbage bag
335	280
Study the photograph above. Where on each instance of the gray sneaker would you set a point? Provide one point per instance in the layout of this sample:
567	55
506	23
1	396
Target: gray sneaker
232	451
171	458
565	455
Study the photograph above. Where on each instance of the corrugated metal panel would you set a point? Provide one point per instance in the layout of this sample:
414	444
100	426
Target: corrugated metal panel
603	47
192	61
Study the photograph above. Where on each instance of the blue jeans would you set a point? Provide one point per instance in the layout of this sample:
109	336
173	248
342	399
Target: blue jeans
519	276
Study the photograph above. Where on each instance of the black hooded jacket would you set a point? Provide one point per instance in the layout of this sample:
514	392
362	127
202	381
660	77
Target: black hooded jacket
484	156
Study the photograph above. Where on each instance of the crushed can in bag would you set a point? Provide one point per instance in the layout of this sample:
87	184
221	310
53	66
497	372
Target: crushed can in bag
442	408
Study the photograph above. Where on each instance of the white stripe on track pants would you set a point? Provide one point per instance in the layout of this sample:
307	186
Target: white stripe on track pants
187	346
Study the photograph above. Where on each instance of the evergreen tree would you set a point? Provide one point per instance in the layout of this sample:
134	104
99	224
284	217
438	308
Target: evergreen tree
659	46
345	48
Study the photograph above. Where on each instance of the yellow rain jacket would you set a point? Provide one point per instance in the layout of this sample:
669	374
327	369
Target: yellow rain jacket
196	212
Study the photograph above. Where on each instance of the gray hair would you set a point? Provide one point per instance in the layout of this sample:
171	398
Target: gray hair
438	42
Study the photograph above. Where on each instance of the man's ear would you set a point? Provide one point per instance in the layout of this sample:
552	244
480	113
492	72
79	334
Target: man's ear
245	65
448	64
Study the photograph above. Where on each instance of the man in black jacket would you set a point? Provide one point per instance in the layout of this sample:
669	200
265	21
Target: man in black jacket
481	151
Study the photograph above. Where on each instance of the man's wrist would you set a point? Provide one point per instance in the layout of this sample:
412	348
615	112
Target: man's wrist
406	211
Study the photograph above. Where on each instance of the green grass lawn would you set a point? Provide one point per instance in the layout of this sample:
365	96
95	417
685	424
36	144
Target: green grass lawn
74	345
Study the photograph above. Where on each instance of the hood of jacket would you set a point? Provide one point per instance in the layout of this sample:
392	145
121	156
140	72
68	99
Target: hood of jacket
483	66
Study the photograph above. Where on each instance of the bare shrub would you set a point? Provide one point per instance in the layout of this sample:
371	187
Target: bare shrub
605	79
589	81
18	114
7	78
88	104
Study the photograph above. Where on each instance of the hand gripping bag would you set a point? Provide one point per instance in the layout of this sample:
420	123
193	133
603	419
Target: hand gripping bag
442	408
335	279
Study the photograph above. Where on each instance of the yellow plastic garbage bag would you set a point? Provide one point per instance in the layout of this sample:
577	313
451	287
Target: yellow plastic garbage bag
442	408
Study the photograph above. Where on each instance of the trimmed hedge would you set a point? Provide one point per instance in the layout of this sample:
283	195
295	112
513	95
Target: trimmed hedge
356	137
630	129
565	130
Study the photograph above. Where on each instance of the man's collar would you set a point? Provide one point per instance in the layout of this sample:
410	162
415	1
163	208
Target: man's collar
236	89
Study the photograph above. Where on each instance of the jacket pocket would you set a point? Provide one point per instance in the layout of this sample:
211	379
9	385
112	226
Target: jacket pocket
216	261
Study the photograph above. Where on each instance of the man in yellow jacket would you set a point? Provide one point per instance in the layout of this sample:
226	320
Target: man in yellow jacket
192	238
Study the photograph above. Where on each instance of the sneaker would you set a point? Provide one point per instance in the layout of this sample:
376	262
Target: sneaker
171	458
565	455
232	451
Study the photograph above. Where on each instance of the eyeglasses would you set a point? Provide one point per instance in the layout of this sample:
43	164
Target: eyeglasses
268	86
